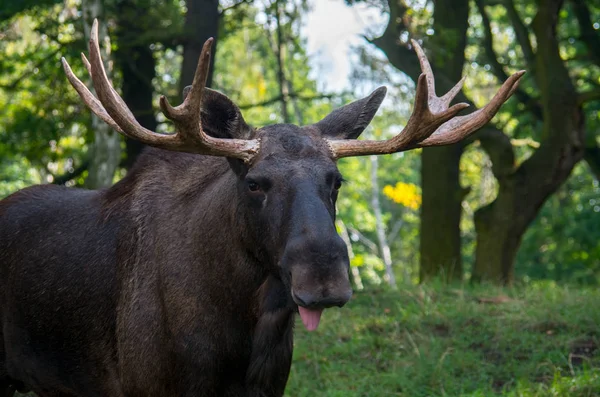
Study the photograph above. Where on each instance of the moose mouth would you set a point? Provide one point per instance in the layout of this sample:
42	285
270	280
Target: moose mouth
313	294
310	309
310	317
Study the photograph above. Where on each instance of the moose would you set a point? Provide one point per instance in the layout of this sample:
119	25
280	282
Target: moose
184	278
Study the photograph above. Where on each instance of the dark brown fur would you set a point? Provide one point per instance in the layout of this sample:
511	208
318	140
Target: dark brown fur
178	280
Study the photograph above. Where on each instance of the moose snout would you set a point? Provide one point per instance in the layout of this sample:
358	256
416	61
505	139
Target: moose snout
310	299
319	273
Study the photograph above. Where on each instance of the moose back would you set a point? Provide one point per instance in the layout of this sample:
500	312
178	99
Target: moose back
184	278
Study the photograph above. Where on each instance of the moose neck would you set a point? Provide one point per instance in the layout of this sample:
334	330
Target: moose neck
183	210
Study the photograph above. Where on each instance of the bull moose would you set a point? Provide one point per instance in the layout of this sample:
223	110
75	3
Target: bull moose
184	278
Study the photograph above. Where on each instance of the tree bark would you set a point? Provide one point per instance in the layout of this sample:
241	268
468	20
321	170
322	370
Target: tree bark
105	153
440	241
135	60
201	23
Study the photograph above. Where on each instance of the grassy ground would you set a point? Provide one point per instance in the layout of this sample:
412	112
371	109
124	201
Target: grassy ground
542	341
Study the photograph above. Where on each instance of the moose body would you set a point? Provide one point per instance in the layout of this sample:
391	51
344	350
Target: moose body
109	290
183	279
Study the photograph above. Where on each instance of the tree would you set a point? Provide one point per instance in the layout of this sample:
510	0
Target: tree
40	131
558	112
201	22
523	190
135	60
10	8
105	152
440	242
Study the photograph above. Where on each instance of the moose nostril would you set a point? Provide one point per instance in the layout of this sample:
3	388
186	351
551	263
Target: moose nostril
303	299
308	300
331	302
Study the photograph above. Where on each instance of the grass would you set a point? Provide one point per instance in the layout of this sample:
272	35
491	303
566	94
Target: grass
425	341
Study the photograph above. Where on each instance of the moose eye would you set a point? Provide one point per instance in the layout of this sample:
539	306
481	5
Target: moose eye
253	186
337	184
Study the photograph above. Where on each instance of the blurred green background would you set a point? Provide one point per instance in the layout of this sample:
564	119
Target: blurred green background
476	265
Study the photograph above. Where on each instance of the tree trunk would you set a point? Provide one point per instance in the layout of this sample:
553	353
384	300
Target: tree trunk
278	46
384	247
105	153
201	22
497	239
353	269
136	61
442	194
440	241
501	225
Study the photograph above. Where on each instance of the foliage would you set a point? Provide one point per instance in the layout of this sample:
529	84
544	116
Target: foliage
451	341
45	131
563	243
246	67
421	341
41	120
406	194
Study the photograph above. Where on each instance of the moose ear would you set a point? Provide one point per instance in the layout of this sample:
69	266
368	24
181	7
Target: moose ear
349	121
221	118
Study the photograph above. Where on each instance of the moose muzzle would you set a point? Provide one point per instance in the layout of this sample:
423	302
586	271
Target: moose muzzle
319	277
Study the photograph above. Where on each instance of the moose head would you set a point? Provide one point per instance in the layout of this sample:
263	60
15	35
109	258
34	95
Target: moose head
286	176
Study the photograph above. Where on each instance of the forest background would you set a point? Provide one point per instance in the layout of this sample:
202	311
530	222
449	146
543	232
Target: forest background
512	213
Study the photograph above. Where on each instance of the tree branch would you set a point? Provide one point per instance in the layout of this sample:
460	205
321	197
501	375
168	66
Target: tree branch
587	96
395	229
291	95
498	68
400	56
365	240
498	146
521	32
592	158
66	177
589	35
234	6
15	7
14	85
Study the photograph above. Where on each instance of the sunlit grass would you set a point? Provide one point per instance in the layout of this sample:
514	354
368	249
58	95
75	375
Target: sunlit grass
543	341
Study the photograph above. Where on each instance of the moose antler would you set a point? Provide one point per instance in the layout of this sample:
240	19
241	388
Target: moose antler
431	123
189	135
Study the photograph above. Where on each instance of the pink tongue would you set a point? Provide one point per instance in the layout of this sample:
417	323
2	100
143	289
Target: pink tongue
310	318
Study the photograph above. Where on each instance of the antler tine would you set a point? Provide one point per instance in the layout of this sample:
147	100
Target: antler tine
432	122
88	98
187	116
115	94
423	122
425	67
460	127
436	103
429	113
114	104
189	137
193	100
